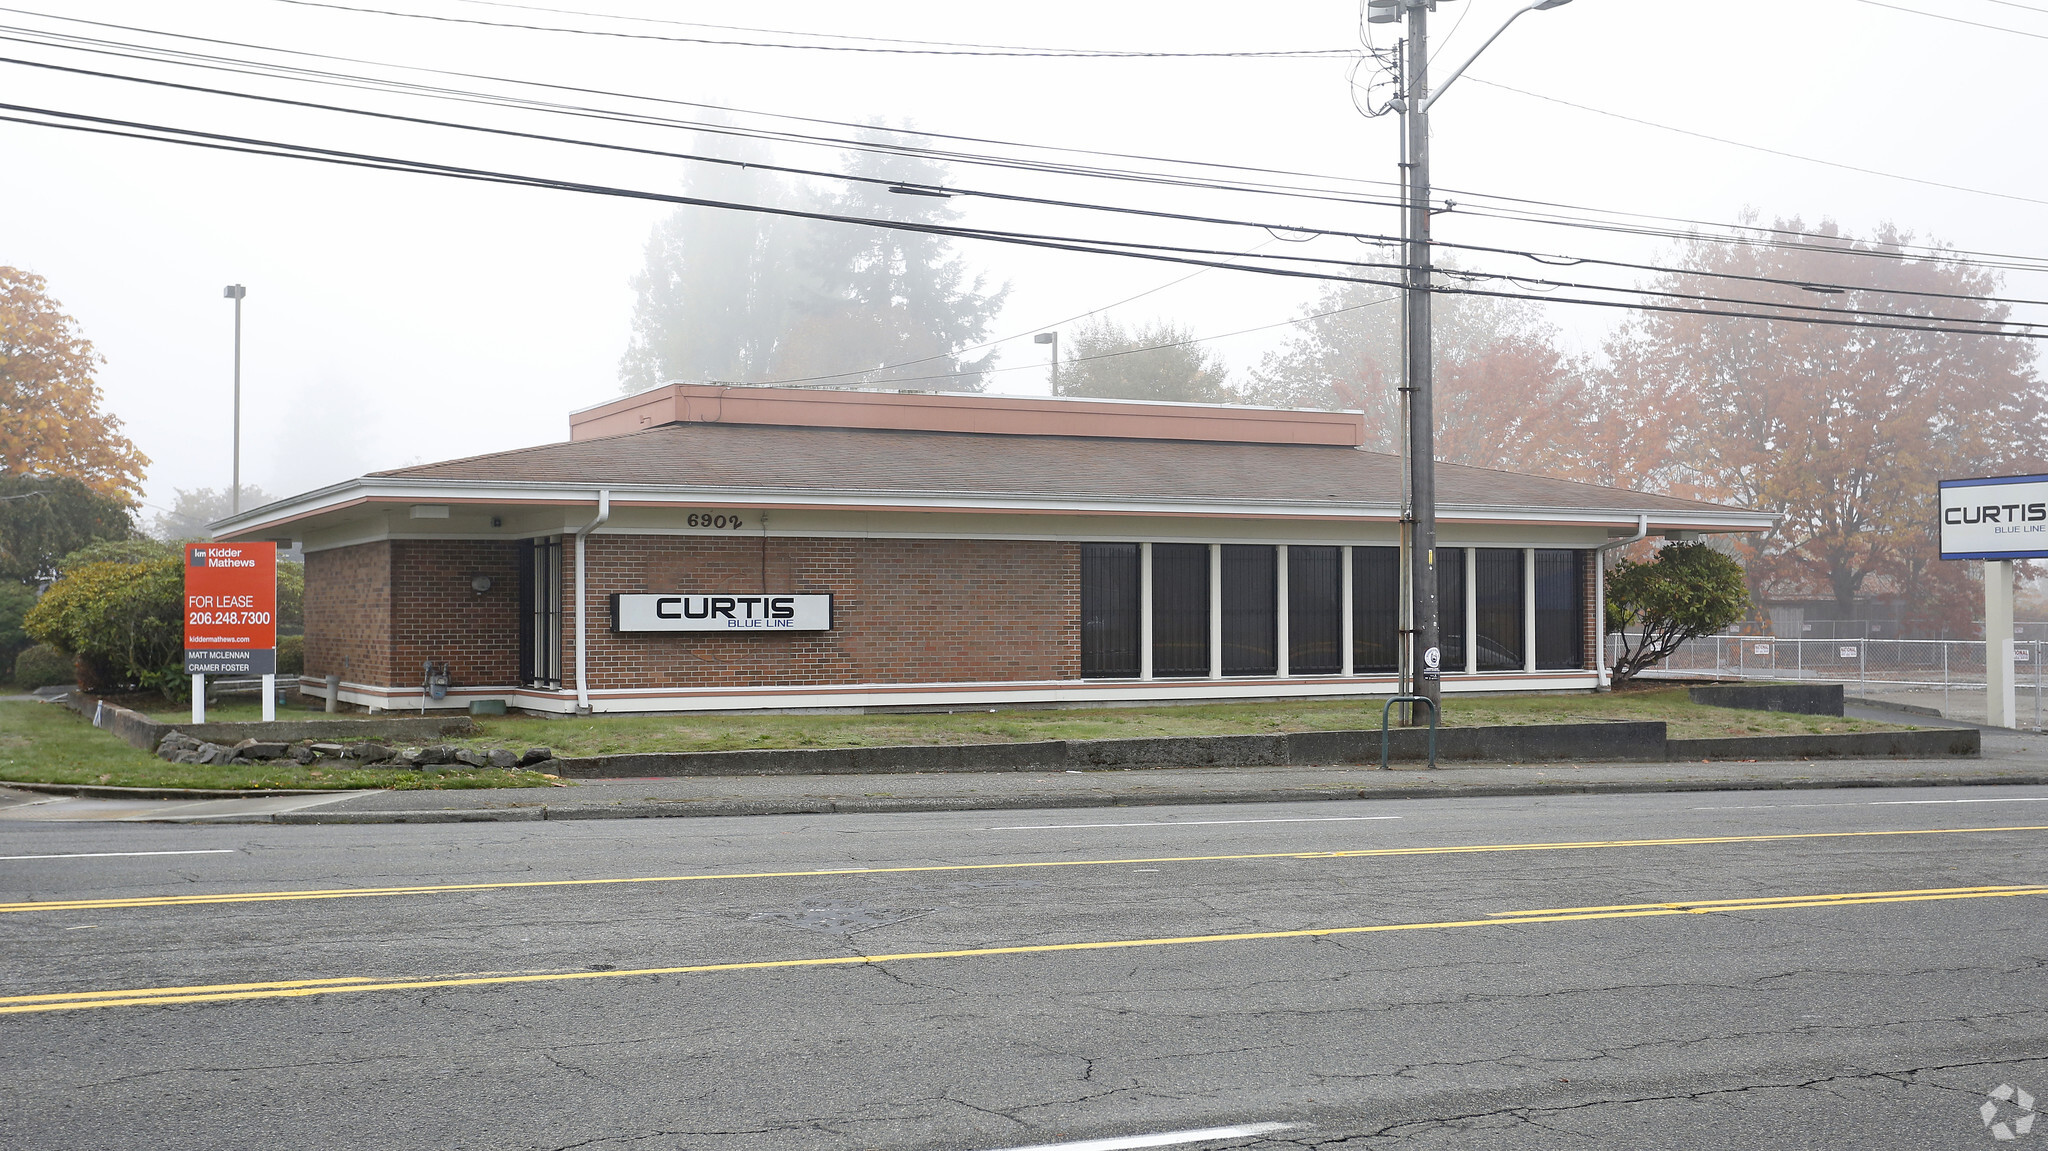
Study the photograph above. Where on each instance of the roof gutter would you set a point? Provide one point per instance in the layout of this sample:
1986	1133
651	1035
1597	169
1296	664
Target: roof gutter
604	512
1600	597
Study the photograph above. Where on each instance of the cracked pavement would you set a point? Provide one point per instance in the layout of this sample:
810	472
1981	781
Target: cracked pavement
1874	1025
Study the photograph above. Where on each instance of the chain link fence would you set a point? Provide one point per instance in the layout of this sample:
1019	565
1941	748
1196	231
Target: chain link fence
1945	674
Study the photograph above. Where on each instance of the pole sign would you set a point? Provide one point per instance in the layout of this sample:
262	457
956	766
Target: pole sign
231	609
721	612
1997	518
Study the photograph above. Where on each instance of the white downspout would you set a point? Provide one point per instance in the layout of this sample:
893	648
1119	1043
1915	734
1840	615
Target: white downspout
1600	597
604	512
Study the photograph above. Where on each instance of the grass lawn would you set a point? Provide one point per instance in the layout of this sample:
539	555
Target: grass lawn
48	743
615	735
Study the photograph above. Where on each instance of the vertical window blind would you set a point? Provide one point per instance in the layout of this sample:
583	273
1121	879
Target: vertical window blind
1109	610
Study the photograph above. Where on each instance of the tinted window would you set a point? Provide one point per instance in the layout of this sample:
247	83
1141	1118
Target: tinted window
1180	609
1109	610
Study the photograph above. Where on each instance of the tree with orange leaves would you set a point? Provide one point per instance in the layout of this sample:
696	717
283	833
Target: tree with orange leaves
51	422
1842	431
1506	397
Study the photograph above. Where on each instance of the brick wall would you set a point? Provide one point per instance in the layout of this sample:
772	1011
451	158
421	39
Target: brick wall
1590	645
375	613
903	611
437	616
348	613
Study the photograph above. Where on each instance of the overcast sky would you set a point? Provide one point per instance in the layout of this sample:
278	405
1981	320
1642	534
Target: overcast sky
394	318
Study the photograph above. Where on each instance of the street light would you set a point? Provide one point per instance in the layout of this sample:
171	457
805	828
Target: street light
1422	663
1052	338
235	292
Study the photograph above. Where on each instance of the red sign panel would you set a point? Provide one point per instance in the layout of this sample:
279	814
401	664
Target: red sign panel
230	609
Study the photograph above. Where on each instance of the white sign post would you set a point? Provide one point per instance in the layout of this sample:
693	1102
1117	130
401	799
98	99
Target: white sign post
1997	519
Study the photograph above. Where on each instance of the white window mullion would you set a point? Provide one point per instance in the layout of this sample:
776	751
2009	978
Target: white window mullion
1280	646
1144	611
1215	611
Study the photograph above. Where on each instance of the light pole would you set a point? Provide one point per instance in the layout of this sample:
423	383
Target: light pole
235	292
1422	661
1052	338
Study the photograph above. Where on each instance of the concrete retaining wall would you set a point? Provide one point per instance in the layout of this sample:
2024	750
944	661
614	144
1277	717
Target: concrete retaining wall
144	732
1581	742
1945	743
1797	698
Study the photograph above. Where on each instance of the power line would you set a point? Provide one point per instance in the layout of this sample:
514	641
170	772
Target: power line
1961	256
1180	217
1040	201
1108	355
1018	336
1959	19
1160	253
1061	53
1759	147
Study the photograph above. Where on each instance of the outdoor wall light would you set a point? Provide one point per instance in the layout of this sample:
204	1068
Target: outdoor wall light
480	584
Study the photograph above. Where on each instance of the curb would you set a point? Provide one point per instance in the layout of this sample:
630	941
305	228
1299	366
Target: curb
96	791
724	808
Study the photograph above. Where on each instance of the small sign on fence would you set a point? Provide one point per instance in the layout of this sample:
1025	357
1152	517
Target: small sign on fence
2021	655
1846	651
1760	649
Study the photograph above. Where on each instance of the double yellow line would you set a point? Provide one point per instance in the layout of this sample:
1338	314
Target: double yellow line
200	900
300	988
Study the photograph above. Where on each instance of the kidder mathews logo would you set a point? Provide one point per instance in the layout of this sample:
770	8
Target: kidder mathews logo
227	558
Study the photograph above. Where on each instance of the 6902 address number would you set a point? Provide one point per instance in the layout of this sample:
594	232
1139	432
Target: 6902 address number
715	520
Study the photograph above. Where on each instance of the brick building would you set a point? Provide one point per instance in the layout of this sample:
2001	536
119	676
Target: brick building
700	548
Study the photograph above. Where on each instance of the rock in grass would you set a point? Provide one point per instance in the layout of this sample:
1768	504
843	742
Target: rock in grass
329	750
262	749
471	759
502	758
213	753
302	754
535	755
437	755
369	752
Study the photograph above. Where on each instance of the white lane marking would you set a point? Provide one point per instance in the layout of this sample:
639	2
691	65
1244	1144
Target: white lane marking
1189	822
1163	1139
1882	803
84	927
113	854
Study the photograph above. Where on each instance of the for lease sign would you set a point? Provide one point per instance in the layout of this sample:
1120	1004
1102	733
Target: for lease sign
721	611
231	609
1997	518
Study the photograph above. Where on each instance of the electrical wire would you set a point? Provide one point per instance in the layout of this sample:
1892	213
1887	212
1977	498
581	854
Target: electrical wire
1190	341
1761	148
68	121
875	181
1060	53
1994	260
1007	197
1959	19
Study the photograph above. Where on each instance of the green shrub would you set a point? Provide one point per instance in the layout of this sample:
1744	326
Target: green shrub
15	600
291	655
125	622
41	666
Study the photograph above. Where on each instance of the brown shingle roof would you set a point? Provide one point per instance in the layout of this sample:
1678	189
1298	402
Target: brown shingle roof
915	463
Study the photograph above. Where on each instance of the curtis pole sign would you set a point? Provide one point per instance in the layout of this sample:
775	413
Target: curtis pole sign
1998	518
231	609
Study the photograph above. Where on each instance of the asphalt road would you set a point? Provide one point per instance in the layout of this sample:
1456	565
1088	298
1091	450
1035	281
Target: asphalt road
1669	971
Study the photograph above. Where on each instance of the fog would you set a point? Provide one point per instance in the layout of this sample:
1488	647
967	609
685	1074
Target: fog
396	317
